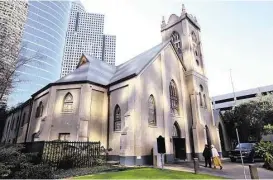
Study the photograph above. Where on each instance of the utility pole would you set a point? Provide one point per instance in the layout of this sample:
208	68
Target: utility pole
237	134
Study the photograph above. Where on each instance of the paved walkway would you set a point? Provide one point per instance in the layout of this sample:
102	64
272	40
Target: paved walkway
230	170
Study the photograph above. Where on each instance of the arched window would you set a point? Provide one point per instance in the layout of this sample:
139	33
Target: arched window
174	98
152	111
68	103
39	110
205	103
201	88
23	120
117	118
176	130
194	37
200	95
175	38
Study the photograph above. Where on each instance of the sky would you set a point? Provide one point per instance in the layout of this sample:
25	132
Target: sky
236	35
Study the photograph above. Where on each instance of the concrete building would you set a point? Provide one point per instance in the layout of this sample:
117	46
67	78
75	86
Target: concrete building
85	35
163	91
227	101
12	19
43	42
224	102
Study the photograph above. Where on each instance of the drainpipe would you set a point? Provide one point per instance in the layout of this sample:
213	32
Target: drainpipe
29	115
108	120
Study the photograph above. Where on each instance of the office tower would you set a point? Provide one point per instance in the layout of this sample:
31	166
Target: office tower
85	35
12	19
43	39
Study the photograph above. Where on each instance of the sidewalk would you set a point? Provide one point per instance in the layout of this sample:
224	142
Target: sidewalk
230	170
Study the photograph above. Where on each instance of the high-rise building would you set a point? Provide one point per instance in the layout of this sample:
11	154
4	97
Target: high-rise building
12	19
85	35
43	39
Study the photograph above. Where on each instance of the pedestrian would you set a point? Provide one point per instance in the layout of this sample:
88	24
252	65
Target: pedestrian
207	155
215	157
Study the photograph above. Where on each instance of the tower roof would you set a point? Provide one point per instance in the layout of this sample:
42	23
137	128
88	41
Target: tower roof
174	19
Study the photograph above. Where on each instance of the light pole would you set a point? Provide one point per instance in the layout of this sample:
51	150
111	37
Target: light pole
237	134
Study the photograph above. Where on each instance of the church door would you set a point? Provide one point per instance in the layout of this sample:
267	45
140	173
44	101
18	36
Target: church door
179	144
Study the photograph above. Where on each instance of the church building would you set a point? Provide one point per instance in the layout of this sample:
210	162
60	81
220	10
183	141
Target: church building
162	91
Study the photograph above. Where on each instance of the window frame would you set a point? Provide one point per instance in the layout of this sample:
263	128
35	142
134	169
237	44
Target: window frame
177	43
68	103
174	98
39	110
117	118
151	111
65	135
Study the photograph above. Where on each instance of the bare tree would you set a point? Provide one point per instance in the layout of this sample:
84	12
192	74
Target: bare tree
13	60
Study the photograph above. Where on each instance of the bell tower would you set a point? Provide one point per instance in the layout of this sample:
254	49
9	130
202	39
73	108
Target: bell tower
184	33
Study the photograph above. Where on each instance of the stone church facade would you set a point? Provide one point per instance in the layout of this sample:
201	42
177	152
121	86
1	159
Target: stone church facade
163	91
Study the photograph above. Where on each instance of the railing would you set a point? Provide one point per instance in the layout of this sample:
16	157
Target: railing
65	155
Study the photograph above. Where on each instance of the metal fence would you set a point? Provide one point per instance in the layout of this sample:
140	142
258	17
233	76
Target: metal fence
65	155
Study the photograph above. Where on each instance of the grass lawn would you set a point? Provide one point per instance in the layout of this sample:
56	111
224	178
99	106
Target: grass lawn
148	173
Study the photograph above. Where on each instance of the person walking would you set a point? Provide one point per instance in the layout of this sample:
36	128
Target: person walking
207	156
215	157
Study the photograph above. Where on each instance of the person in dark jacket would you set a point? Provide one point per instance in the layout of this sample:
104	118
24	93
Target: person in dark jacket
207	156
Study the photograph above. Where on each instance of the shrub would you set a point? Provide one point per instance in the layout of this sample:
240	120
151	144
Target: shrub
30	171
16	164
265	150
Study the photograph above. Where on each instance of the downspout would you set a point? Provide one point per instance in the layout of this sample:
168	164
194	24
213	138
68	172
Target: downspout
28	124
108	120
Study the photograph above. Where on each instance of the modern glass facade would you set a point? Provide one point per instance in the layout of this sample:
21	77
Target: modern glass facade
43	43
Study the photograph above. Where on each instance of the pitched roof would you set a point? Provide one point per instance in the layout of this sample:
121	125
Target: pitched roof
93	70
102	73
138	63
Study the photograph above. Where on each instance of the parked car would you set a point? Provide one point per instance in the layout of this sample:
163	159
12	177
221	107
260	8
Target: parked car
248	152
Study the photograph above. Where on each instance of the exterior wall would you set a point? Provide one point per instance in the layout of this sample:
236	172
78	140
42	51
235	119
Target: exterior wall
87	121
25	116
37	123
173	70
151	83
97	126
16	124
118	95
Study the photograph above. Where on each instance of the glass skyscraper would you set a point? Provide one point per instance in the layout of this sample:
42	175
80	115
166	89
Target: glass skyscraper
43	43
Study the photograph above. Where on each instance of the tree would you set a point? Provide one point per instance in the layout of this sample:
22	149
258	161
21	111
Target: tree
250	118
13	59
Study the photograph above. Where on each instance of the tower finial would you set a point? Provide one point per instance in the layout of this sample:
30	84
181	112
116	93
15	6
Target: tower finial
163	23
195	18
183	9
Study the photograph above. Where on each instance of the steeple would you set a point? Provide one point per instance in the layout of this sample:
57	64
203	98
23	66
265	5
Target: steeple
183	9
163	23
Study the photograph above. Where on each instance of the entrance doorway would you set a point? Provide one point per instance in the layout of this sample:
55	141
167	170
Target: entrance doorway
179	144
